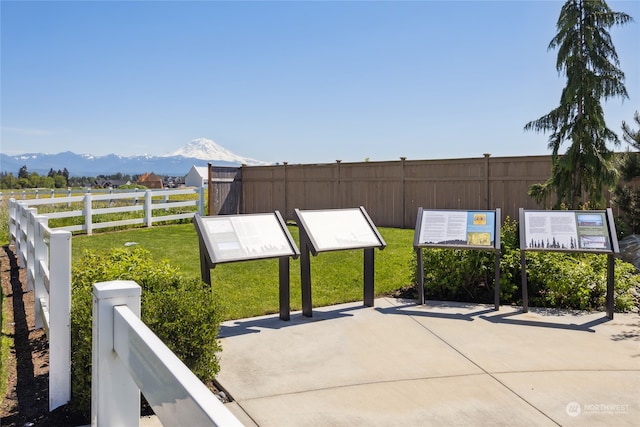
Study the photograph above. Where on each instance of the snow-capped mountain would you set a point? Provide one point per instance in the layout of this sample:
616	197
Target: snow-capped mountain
206	149
198	152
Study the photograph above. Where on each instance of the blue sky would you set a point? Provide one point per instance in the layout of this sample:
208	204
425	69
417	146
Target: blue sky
303	82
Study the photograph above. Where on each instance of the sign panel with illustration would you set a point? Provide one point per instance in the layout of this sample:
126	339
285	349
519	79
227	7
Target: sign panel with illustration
456	228
566	231
570	231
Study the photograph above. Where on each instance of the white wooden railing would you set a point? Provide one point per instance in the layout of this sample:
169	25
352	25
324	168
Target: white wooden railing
128	358
150	207
46	254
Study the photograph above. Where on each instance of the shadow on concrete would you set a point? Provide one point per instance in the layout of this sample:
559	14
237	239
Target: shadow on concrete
423	312
507	318
253	326
433	310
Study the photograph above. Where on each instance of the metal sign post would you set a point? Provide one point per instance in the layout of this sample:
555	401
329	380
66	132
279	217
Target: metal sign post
333	230
232	238
569	231
457	229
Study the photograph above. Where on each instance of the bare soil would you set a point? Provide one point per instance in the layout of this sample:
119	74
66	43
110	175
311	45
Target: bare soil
26	402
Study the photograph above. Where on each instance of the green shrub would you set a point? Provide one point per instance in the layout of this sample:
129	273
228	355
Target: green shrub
578	281
560	279
179	310
469	275
555	279
458	274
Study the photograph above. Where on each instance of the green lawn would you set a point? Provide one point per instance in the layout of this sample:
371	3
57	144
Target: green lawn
251	288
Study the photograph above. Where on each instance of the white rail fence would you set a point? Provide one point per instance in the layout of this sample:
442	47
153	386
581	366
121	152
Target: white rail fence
46	254
153	202
128	358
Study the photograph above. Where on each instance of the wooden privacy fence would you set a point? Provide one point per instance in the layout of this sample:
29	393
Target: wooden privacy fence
393	191
224	190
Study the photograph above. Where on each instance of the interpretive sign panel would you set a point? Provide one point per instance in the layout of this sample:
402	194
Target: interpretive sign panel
333	230
243	237
338	229
457	229
566	231
570	231
467	229
229	238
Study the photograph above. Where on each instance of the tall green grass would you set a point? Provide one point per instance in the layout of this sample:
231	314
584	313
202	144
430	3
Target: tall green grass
250	288
4	222
5	344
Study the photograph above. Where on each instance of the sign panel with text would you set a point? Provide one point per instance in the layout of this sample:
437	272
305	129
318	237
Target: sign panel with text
339	229
566	231
468	229
243	237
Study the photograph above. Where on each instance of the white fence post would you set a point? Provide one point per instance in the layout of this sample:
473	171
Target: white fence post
30	246
148	215
21	243
60	317
18	230
12	221
115	397
40	254
88	213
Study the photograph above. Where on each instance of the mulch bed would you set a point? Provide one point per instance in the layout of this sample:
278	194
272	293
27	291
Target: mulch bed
26	402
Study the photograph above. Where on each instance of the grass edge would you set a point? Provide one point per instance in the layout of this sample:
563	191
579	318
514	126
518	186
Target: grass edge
5	344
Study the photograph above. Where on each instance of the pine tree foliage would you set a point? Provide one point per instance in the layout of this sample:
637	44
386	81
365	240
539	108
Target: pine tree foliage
588	59
627	197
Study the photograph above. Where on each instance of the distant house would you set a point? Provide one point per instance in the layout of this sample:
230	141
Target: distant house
109	183
198	176
150	180
173	181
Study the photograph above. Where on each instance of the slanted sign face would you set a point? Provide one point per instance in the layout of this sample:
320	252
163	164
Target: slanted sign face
339	229
246	237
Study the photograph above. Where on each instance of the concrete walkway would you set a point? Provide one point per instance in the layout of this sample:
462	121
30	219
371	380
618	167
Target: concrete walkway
453	364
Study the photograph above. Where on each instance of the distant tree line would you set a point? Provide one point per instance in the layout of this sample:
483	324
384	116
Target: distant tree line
26	179
56	179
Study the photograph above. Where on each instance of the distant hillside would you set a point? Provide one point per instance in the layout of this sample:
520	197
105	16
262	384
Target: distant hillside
198	152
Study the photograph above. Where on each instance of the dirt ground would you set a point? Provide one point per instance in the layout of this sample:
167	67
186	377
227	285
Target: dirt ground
26	402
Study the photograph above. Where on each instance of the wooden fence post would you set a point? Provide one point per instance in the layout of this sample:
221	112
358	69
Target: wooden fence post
486	180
